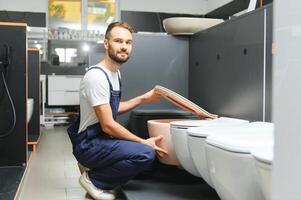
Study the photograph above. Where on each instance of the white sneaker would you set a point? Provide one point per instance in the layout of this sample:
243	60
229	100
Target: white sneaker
95	192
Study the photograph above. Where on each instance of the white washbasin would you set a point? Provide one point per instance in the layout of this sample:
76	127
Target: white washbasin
188	25
30	103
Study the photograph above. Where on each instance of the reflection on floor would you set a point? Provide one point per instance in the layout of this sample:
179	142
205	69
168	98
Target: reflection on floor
9	181
52	174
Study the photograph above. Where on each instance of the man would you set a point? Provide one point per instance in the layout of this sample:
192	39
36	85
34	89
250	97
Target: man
112	153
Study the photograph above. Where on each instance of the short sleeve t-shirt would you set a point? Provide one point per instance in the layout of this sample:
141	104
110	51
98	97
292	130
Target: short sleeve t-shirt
95	90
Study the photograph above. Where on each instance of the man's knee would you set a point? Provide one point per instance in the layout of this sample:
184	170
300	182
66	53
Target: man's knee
146	154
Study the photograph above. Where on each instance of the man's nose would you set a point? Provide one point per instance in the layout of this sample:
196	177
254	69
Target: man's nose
124	46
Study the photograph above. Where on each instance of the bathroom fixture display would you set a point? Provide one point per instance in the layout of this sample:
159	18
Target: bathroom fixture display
162	127
263	158
30	103
196	143
180	139
188	25
230	162
5	60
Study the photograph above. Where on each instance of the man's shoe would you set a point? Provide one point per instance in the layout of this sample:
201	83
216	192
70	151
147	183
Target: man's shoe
96	193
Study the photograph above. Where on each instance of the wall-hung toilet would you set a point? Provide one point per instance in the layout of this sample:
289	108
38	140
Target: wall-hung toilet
230	162
30	103
158	127
180	142
263	158
196	143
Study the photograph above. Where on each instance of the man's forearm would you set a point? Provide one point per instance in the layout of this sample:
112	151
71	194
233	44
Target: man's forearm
130	104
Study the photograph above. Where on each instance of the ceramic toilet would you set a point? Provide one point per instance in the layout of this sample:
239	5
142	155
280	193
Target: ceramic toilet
180	142
230	162
30	103
162	127
263	158
196	144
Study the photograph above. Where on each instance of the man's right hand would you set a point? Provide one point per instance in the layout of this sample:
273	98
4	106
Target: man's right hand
152	142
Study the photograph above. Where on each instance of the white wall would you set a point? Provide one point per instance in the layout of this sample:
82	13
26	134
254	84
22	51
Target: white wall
213	4
287	99
24	5
165	6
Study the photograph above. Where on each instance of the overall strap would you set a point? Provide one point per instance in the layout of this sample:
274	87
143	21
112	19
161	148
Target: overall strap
111	87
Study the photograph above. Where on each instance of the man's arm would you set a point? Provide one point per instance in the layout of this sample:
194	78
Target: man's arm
150	96
114	129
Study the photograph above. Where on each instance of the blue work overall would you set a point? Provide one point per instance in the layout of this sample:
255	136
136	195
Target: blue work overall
112	162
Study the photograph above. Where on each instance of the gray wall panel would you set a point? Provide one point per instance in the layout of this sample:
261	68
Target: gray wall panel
226	67
156	60
269	41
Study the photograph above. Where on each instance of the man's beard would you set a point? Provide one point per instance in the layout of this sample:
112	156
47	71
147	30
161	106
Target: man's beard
117	59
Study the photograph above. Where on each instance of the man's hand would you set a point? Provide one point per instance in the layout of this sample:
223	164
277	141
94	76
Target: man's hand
150	96
152	142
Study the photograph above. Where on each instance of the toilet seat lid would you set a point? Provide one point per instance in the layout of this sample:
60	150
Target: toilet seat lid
264	154
183	103
242	139
216	125
206	122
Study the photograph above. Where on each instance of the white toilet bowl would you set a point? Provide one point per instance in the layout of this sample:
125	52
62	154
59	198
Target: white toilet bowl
158	127
180	142
230	162
30	103
196	144
263	158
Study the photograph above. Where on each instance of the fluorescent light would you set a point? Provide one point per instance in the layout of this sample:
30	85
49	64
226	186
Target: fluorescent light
86	47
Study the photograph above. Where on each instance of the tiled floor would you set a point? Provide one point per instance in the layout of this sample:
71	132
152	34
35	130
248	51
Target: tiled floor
52	171
52	174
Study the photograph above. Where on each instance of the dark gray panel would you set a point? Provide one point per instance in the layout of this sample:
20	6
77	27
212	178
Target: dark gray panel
226	68
156	60
31	18
233	7
269	41
13	149
34	91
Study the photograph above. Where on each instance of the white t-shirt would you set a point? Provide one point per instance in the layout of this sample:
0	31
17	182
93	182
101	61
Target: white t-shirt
95	90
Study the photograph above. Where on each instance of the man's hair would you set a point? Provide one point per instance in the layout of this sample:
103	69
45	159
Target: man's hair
118	24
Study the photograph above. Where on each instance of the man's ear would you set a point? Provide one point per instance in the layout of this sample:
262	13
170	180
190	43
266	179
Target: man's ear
106	44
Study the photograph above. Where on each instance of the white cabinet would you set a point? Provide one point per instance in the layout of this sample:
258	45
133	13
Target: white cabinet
63	90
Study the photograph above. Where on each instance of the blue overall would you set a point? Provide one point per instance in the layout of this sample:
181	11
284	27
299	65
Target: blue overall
112	162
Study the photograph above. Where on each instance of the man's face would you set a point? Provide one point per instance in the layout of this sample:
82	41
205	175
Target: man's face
119	45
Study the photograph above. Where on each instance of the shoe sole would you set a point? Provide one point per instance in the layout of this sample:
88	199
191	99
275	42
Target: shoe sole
83	185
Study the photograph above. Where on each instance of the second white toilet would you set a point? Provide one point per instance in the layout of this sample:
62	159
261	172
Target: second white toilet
196	144
180	142
230	162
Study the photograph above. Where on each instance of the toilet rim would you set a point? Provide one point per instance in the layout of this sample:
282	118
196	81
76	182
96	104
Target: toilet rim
206	122
204	132
240	141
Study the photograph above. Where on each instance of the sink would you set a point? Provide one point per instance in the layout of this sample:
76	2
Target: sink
30	103
188	25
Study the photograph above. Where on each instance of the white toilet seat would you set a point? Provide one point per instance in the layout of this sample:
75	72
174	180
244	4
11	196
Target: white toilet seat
229	157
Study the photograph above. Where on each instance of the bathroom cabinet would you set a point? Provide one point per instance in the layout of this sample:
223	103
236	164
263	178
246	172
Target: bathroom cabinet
63	90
